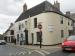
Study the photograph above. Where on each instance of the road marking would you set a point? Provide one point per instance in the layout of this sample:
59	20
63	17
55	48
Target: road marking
21	53
40	52
37	52
45	51
30	52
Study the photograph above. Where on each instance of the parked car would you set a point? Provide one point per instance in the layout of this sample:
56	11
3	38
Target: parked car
69	43
2	42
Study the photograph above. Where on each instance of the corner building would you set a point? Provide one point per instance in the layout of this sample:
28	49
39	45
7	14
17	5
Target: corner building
56	26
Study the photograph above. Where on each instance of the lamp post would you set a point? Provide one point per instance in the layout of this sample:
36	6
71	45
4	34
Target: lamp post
40	35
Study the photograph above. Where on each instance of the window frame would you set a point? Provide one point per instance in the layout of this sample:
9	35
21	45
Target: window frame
35	22
18	37
19	26
38	36
61	19
62	33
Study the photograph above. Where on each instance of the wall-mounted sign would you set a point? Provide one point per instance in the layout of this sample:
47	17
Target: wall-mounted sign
51	28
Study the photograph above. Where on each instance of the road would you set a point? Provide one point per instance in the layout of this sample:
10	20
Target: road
7	50
61	53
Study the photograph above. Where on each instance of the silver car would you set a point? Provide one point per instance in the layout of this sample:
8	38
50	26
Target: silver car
2	42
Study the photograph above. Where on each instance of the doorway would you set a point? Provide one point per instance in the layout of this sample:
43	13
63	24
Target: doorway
32	38
26	37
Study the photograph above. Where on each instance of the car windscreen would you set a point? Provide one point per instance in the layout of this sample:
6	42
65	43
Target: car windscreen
71	38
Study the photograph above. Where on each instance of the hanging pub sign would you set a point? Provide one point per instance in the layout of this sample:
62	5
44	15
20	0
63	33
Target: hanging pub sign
51	28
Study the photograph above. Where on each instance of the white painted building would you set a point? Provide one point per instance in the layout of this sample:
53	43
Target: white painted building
9	34
56	26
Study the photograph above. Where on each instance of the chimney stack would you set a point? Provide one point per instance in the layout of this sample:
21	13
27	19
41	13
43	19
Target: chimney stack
68	13
24	7
57	5
11	24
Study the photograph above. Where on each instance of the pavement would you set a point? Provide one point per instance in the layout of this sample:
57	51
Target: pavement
35	46
35	50
32	50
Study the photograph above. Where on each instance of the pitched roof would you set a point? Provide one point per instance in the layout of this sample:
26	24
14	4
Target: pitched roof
72	16
8	28
43	7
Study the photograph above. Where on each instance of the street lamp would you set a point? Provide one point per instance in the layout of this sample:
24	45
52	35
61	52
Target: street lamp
40	35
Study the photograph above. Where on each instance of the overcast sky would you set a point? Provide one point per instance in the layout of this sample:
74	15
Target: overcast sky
11	9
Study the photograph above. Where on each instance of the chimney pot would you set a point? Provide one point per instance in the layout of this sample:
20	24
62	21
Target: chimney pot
68	13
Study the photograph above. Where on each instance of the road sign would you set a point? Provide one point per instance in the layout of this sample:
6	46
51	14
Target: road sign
40	27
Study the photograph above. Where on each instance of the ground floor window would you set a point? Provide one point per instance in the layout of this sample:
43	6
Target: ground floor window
70	32
62	33
22	36
18	37
32	34
38	36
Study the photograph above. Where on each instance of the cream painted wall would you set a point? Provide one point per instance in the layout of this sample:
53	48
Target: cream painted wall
49	37
17	31
46	19
51	28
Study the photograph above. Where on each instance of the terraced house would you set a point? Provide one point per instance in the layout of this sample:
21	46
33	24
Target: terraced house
56	26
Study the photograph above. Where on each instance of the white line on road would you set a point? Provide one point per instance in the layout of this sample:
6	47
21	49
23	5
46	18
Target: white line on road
40	52
45	51
30	52
21	53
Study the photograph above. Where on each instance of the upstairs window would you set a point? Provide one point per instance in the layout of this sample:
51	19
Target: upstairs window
72	23
22	25
19	27
68	23
61	19
25	22
35	22
12	32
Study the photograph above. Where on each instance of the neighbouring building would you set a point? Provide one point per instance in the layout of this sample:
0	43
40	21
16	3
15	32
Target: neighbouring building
72	15
56	26
9	34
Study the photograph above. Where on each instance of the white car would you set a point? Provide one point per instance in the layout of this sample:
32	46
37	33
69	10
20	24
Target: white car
2	42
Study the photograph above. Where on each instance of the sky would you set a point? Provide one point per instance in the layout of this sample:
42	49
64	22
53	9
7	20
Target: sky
11	9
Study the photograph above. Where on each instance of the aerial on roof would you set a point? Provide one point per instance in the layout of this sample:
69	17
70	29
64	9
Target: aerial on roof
43	7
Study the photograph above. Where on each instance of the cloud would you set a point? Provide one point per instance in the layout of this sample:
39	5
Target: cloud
10	7
67	5
9	11
5	21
